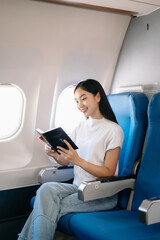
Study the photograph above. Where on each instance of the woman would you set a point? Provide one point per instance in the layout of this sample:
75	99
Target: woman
99	139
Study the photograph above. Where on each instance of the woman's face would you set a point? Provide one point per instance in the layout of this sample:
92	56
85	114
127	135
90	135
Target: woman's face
88	103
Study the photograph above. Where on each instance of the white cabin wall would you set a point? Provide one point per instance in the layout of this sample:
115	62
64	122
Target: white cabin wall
44	48
140	56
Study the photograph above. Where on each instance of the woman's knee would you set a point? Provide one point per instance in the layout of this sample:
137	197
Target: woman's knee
48	188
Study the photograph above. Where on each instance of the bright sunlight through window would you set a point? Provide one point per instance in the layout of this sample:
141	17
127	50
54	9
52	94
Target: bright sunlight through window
12	102
67	114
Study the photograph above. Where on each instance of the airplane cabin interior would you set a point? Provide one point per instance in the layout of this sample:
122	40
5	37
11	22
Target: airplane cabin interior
46	48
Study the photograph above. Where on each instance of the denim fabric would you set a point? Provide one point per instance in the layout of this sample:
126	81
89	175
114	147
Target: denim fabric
54	200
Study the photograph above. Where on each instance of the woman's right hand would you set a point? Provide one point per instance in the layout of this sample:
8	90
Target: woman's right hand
49	151
52	153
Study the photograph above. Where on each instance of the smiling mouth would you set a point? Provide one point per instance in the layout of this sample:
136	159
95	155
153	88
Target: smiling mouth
83	110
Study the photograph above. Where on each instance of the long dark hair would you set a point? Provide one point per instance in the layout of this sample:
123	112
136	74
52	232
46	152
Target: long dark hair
93	86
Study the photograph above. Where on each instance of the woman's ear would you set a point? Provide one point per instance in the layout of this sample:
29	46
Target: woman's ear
98	97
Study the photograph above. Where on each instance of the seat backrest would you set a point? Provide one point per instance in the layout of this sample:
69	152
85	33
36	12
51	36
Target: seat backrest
148	178
131	112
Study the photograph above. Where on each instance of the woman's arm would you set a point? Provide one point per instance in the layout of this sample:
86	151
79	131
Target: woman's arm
109	168
110	161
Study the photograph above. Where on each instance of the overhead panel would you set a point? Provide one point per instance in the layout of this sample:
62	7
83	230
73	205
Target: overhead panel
150	2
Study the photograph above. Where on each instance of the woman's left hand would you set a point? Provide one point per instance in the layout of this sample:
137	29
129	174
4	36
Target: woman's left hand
69	154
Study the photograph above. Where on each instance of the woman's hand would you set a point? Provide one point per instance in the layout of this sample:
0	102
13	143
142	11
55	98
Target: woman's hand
58	158
69	154
49	151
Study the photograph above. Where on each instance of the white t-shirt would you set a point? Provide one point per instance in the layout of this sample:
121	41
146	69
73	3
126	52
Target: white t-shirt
94	137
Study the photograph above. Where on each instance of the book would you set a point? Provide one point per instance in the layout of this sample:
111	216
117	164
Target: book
55	137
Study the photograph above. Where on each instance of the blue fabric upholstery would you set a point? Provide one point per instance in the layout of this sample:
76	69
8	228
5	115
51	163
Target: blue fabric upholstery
112	225
148	181
32	202
131	113
123	224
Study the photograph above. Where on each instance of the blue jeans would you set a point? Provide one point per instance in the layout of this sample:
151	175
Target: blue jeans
54	200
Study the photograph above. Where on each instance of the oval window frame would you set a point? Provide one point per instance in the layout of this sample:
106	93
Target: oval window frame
70	108
20	120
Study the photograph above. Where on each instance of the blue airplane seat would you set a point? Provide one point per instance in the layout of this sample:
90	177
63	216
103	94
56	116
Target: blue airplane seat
131	113
124	224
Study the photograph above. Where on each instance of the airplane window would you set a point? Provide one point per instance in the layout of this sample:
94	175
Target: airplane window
12	102
67	114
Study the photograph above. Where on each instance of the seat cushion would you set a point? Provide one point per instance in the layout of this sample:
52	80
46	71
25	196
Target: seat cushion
111	225
64	223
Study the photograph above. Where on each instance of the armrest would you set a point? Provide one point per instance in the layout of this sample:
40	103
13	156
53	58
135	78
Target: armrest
55	174
149	211
104	188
